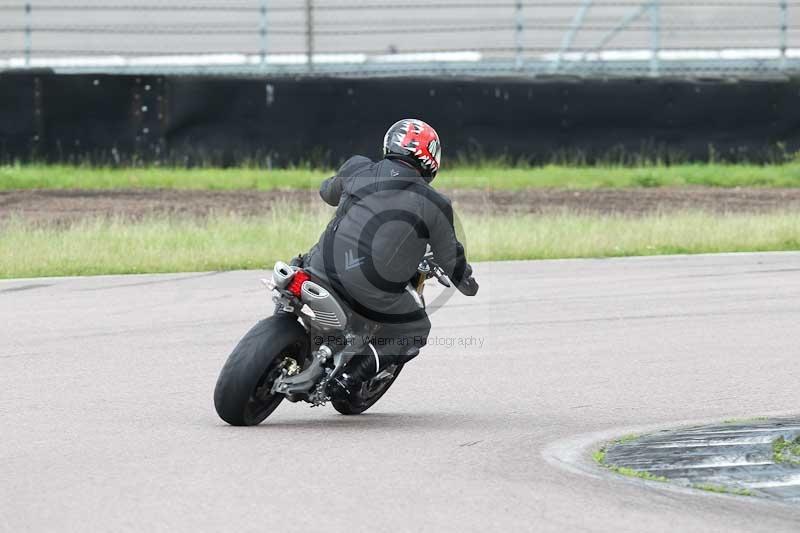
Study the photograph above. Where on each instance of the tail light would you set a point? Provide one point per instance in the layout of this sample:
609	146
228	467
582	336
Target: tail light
297	281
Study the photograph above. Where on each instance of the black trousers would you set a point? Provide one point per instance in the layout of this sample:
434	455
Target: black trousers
402	325
404	337
393	343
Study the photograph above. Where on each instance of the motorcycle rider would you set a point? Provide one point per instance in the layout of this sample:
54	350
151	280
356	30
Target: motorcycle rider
387	215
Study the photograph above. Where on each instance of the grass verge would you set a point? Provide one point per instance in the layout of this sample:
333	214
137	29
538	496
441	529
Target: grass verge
228	242
478	176
750	420
599	457
574	236
719	489
786	451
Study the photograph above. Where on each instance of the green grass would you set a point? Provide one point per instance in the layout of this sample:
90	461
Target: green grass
491	237
580	177
227	242
160	244
630	472
77	177
745	420
786	451
599	457
627	438
719	489
481	176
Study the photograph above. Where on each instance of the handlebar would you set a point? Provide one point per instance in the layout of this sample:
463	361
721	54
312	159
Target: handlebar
429	267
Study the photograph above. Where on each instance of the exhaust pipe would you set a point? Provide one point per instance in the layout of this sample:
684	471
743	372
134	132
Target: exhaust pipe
282	274
328	314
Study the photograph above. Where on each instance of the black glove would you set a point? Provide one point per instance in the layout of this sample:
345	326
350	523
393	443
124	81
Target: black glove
468	287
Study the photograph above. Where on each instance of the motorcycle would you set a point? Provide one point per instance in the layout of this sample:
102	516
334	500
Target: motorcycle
277	360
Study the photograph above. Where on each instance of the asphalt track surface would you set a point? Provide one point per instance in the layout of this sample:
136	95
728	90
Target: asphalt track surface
108	423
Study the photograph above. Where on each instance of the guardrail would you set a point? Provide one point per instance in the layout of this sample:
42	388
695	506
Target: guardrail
346	37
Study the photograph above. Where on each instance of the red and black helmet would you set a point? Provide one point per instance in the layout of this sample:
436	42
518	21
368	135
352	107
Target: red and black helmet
415	141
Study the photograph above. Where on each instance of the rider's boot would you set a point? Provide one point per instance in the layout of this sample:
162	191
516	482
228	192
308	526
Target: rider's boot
363	368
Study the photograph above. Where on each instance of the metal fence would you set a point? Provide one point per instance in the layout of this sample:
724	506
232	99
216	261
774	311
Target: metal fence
371	37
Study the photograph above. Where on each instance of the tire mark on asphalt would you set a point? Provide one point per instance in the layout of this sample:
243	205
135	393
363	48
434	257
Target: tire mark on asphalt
740	273
152	282
622	318
725	293
118	332
26	287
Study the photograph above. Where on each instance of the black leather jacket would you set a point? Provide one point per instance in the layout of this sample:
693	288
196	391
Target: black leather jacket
387	214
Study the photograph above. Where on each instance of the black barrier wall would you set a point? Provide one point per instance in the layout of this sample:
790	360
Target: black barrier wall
224	121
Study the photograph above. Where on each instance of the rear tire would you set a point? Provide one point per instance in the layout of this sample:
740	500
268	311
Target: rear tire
364	399
242	396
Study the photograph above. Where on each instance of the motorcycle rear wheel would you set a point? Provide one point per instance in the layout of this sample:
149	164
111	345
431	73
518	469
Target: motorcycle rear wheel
243	394
367	397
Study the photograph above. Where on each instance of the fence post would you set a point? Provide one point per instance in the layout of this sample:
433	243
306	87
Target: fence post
310	33
784	28
655	36
28	34
520	26
263	33
569	37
